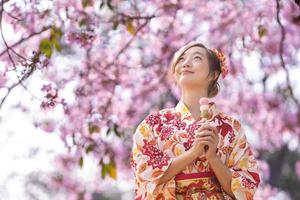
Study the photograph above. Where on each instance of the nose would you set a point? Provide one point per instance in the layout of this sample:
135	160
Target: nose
186	63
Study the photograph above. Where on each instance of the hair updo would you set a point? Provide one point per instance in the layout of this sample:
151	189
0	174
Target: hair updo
213	61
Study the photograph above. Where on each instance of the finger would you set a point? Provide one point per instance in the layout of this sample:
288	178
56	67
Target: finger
198	140
207	140
205	143
206	137
203	134
213	129
215	137
203	130
208	127
210	140
204	127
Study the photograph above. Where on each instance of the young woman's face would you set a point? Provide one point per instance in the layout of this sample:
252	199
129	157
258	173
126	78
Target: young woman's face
192	68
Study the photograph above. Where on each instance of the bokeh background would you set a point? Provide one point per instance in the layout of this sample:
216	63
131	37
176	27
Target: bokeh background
77	76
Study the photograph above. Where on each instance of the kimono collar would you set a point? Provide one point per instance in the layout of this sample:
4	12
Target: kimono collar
185	113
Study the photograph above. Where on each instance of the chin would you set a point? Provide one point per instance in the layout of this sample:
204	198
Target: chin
188	82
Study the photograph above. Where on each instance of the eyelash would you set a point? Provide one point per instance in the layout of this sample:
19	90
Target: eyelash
180	58
195	57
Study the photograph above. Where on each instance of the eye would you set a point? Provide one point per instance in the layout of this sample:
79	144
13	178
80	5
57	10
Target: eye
198	57
181	58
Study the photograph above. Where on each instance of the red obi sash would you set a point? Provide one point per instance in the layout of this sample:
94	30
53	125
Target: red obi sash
182	176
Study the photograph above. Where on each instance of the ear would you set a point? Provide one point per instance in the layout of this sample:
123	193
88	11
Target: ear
214	75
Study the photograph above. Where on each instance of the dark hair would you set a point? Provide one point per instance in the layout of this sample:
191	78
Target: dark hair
213	61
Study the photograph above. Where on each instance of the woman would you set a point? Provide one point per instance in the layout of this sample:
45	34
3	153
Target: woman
179	154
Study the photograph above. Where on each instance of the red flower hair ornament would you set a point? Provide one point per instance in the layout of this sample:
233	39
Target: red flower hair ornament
222	59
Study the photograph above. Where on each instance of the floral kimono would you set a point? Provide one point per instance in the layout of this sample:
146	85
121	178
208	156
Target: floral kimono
166	134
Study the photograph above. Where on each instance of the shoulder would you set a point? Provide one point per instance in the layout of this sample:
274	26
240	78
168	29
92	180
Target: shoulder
153	122
159	117
230	120
229	126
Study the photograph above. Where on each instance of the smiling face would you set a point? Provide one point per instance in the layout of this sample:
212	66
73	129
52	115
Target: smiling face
192	68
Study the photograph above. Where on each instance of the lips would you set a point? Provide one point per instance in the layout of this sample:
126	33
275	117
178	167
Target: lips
186	72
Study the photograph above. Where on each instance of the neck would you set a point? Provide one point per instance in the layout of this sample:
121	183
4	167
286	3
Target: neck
191	99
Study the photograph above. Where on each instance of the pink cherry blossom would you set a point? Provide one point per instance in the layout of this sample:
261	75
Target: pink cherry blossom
107	64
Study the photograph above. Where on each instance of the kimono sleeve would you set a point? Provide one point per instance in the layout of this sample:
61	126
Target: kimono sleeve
148	161
244	167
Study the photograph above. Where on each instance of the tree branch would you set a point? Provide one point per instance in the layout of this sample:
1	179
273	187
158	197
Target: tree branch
20	80
281	51
24	39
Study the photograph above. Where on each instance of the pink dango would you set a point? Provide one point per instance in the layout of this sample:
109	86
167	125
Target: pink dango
204	107
204	111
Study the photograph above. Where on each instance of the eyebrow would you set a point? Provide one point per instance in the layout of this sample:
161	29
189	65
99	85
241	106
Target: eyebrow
197	52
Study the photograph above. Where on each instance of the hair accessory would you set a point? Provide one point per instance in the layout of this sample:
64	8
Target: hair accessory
222	59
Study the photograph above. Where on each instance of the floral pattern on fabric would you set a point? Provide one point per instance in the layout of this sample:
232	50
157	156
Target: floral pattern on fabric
168	133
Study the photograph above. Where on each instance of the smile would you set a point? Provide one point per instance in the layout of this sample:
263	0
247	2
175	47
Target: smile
186	72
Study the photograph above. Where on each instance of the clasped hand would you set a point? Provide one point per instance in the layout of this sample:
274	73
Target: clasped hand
206	135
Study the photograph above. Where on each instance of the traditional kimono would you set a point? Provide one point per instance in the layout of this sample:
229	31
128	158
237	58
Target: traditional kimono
166	134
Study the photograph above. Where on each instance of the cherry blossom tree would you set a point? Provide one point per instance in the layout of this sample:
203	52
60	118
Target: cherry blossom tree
114	57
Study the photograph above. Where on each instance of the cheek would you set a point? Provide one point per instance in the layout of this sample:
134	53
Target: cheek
177	70
201	67
176	74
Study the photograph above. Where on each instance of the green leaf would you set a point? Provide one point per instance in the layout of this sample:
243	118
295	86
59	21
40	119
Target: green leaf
101	5
115	25
108	131
112	170
109	169
56	32
83	22
104	170
86	3
45	47
57	45
89	148
109	5
93	128
262	31
81	162
130	27
115	130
